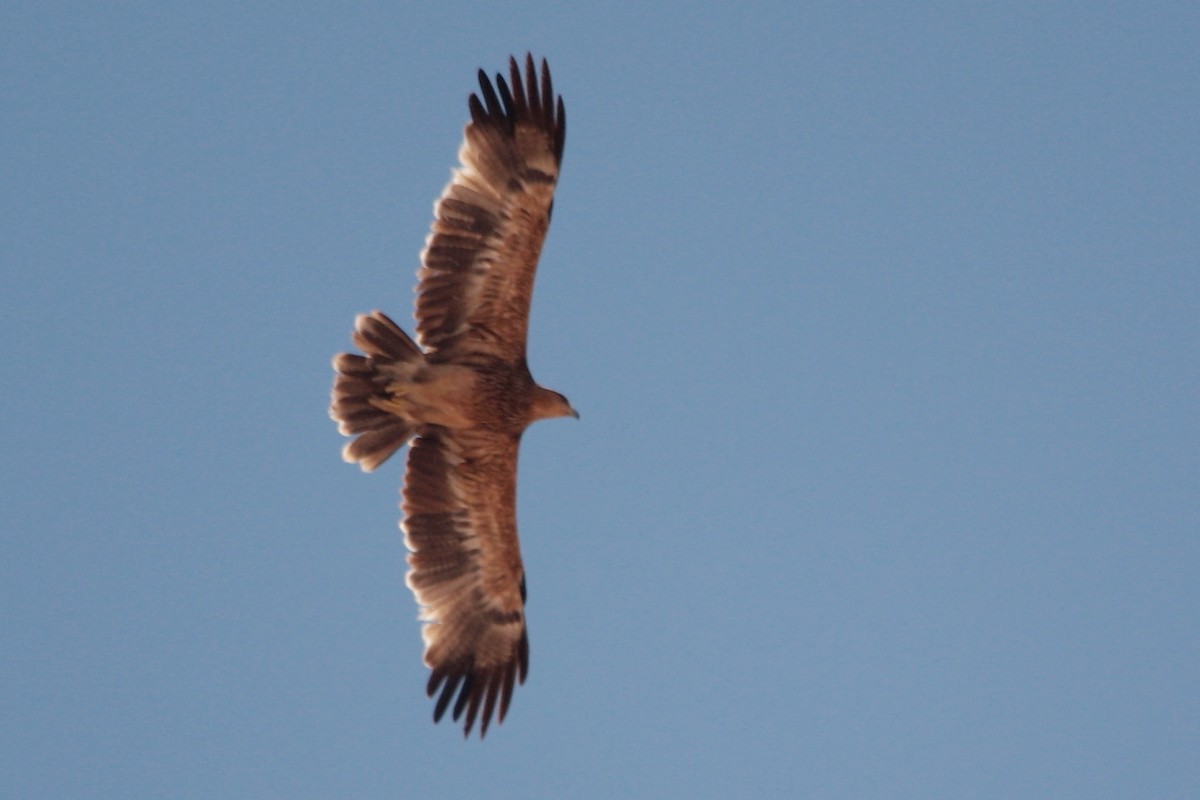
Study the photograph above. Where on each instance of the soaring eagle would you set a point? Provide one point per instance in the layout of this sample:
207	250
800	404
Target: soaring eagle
462	394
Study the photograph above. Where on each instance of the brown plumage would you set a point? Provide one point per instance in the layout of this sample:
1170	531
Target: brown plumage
462	394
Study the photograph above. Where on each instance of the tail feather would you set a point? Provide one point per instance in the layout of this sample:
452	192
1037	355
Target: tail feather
360	388
376	446
379	337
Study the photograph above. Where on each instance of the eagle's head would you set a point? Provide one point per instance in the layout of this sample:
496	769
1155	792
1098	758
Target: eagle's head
548	404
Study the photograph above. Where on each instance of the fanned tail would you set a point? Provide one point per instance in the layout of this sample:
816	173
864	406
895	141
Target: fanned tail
361	393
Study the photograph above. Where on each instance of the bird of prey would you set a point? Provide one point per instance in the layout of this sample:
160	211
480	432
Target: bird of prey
461	395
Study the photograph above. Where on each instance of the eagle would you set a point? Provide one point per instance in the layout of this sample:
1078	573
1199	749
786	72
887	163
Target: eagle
461	394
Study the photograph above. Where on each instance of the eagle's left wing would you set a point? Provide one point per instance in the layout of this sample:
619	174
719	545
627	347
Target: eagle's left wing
466	572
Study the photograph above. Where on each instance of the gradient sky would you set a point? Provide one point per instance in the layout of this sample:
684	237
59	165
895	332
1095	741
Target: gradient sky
884	326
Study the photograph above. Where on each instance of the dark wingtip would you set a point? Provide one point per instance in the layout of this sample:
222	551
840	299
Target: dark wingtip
560	133
478	115
529	96
490	100
478	695
435	680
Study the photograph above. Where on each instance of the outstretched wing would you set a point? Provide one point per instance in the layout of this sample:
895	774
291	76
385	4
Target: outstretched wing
478	266
461	528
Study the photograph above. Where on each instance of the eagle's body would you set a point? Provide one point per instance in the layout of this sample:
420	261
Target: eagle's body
462	394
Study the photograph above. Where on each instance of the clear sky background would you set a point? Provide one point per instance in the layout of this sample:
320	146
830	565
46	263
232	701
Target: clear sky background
884	325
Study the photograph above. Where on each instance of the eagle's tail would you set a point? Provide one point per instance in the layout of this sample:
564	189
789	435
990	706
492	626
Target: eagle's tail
361	389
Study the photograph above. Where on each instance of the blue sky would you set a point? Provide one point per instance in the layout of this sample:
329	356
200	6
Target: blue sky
884	326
